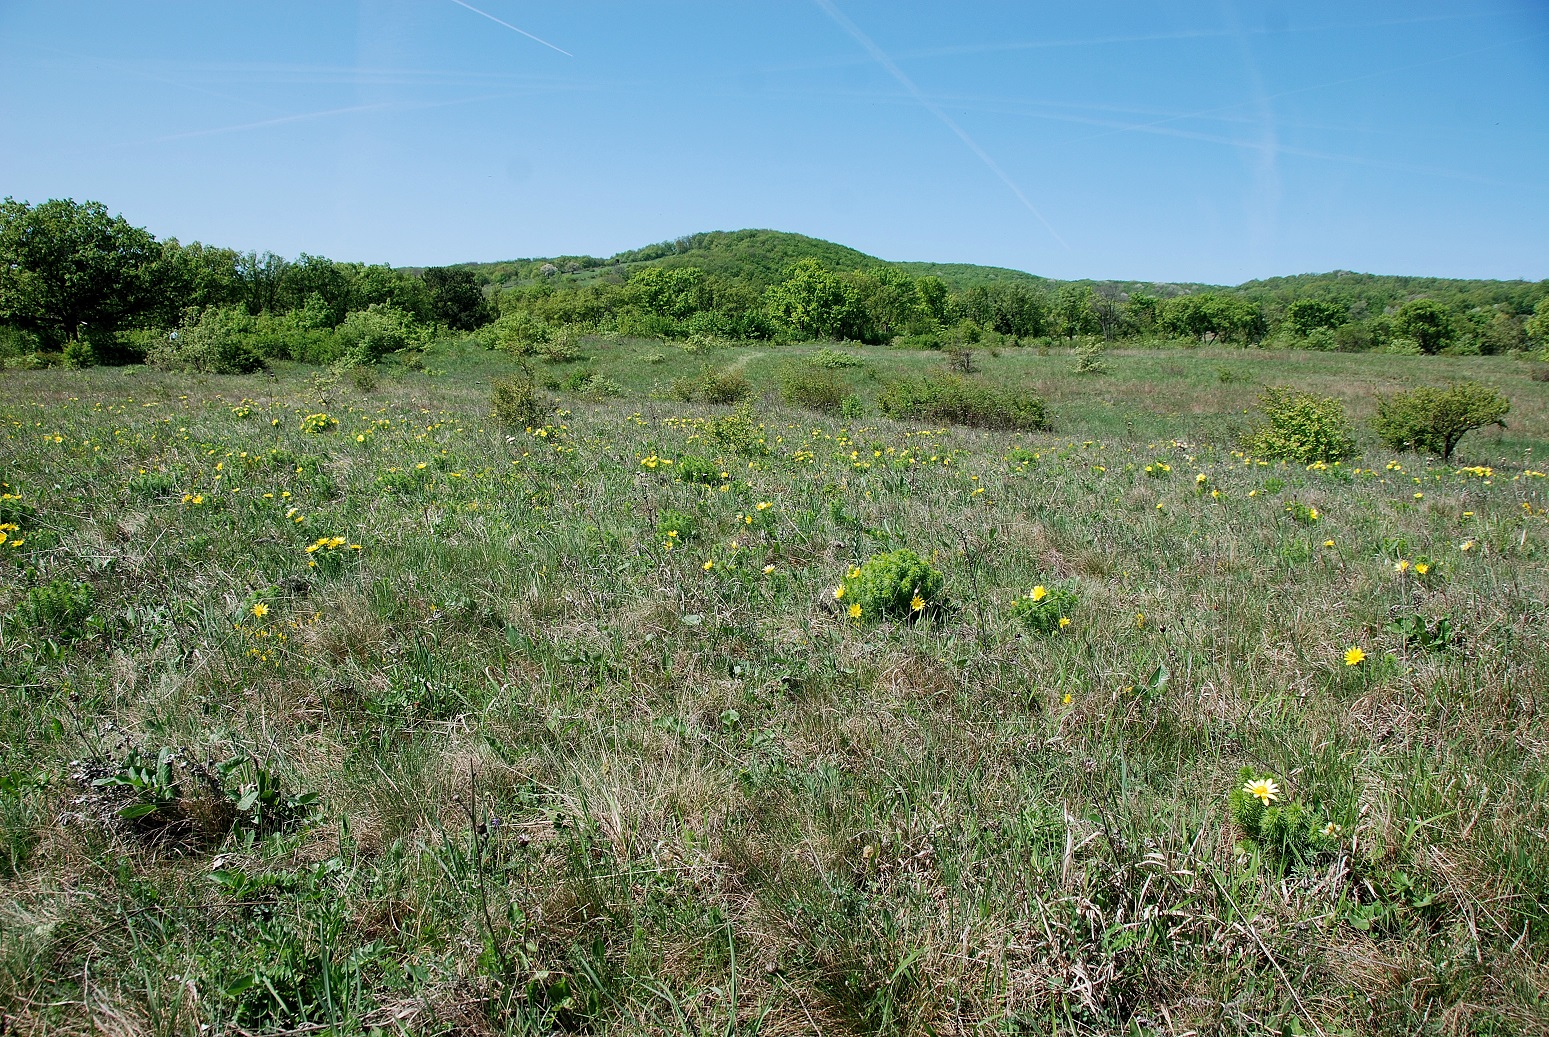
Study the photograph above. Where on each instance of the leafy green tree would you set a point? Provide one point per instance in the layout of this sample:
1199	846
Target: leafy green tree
1537	326
1009	307
813	302
261	275
1213	315
675	293
1072	312
68	268
196	275
309	274
377	284
1307	315
1435	420
1142	312
1428	322
456	299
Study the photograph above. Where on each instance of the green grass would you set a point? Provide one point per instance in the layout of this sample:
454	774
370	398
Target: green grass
569	777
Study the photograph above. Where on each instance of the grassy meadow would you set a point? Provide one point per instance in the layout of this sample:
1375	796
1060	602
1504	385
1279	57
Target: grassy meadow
328	705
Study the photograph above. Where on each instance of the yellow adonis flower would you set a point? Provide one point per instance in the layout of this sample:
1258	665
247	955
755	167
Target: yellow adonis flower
1328	543
1422	568
839	592
260	610
1263	789
1064	622
855	610
1354	657
709	564
1038	593
917	603
1402	565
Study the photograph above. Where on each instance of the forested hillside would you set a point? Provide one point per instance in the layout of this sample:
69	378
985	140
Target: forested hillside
80	286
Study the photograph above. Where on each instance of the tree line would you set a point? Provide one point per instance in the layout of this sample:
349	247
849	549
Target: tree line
74	276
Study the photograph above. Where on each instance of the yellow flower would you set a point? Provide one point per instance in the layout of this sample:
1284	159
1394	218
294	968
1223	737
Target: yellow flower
1422	568
709	564
839	592
1039	593
1140	620
1328	543
1064	622
1263	789
1402	565
1066	699
260	610
768	569
916	604
855	610
1354	657
1330	830
1467	545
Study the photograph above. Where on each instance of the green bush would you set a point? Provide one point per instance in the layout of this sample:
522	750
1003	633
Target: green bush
677	526
78	354
897	584
519	333
833	359
381	328
713	386
1091	356
1435	420
515	404
211	341
738	433
1300	427
961	401
819	390
1043	608
695	469
726	387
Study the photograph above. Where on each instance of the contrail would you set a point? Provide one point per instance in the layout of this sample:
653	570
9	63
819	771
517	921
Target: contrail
513	28
897	73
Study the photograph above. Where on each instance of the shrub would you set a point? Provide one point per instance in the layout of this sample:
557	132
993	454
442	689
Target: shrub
961	401
960	358
519	333
1091	357
1435	420
815	390
739	433
319	423
726	387
833	359
1300	427
78	354
599	387
677	526
1044	609
381	328
713	386
211	341
515	403
896	584
695	469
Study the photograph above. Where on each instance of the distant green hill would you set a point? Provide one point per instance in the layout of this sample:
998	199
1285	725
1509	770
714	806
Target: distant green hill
760	257
1376	293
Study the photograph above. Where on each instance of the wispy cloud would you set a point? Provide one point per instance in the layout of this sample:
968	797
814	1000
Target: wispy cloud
881	58
513	28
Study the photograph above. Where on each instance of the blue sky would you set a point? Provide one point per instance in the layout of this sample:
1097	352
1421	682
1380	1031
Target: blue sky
1180	141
